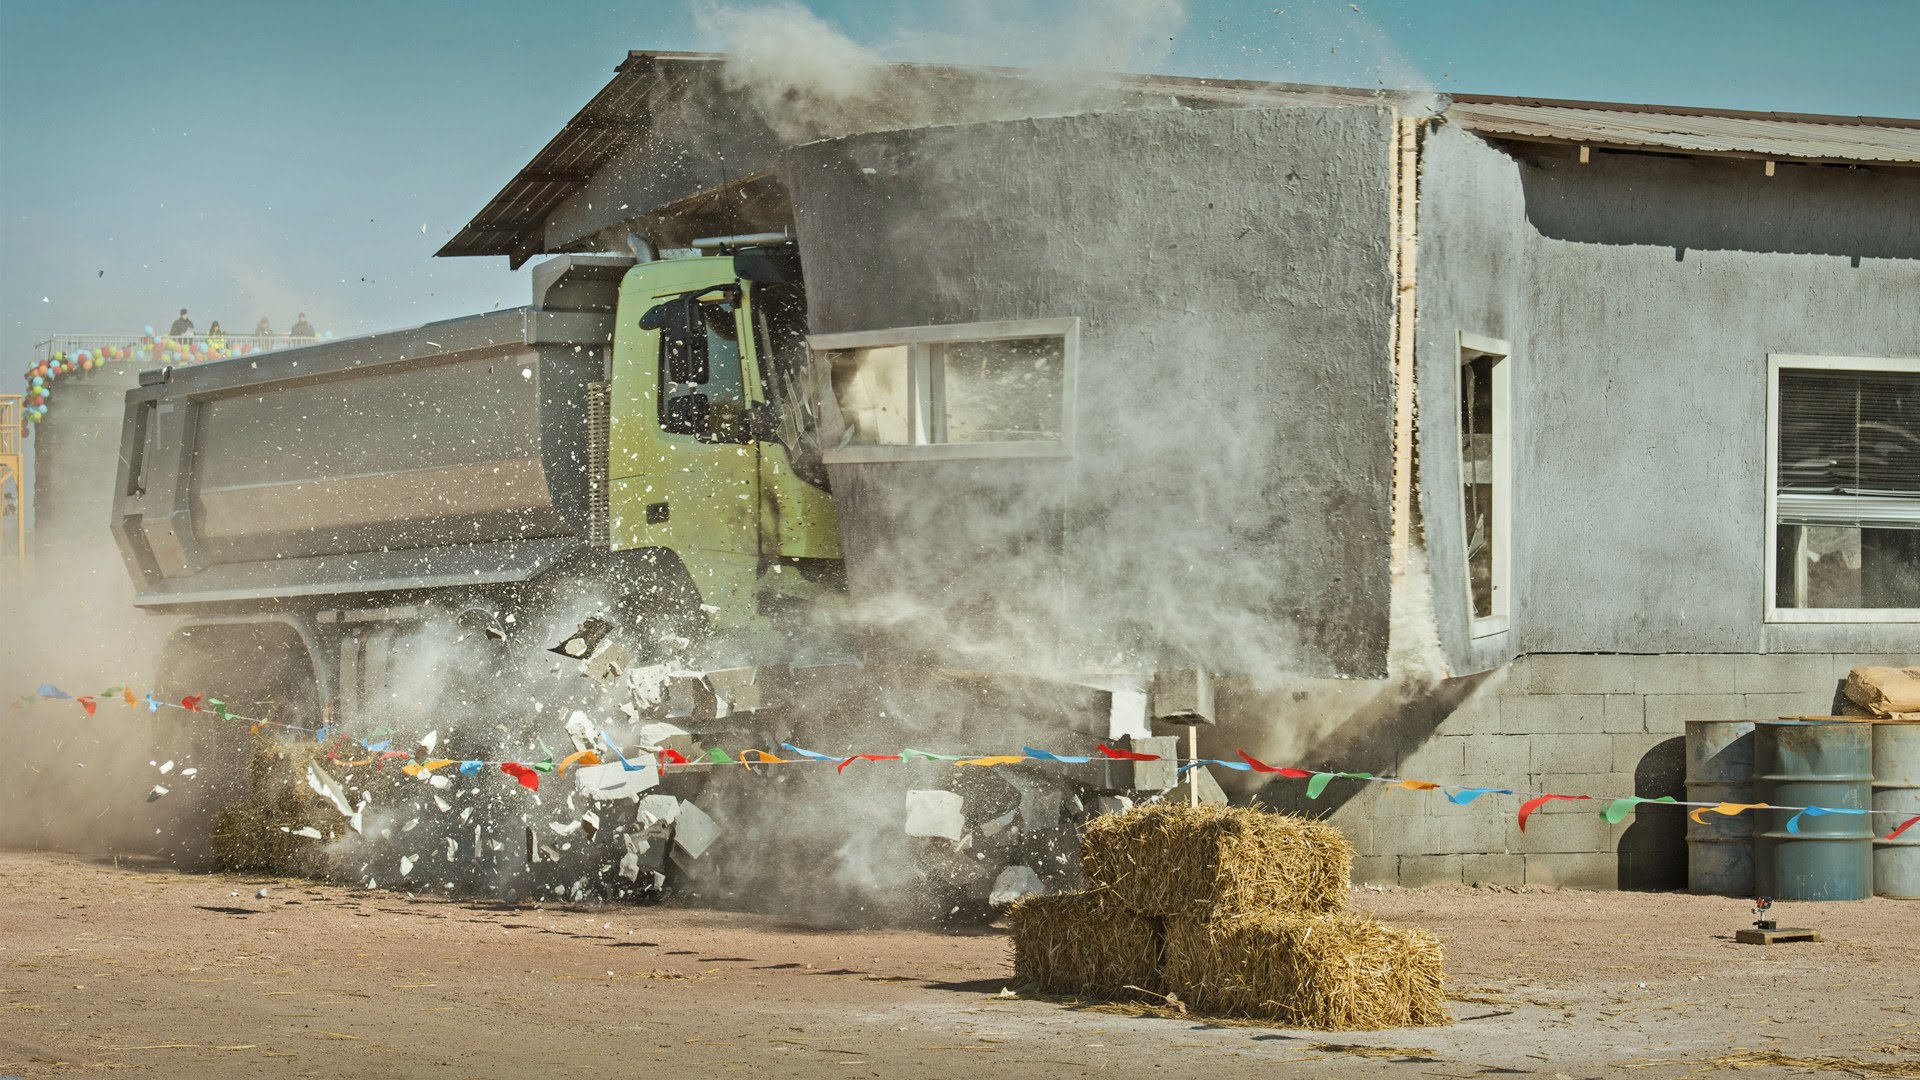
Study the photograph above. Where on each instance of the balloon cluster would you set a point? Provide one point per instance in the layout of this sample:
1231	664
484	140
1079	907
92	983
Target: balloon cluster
147	349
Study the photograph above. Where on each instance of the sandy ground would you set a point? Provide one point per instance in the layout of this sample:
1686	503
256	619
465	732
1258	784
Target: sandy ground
136	971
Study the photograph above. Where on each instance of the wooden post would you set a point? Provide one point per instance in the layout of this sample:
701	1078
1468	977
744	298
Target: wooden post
1193	759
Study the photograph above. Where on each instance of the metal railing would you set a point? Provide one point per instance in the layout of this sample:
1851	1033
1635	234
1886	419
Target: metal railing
92	343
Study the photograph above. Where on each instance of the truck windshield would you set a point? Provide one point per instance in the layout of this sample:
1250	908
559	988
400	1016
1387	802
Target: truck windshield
781	345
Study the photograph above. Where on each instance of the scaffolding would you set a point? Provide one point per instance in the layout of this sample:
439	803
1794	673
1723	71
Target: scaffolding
13	486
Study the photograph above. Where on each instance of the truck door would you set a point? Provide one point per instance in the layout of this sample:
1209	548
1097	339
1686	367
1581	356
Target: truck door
683	465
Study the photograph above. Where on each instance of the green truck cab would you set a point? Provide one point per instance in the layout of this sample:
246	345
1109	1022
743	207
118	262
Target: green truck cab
703	449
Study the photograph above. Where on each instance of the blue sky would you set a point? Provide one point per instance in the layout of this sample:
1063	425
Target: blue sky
257	158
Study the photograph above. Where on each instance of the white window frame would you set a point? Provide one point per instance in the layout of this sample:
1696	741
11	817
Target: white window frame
925	420
1777	362
1468	347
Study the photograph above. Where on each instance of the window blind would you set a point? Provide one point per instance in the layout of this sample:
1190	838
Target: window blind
1849	448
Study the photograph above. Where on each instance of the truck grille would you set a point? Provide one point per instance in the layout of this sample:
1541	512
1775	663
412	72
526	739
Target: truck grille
598	395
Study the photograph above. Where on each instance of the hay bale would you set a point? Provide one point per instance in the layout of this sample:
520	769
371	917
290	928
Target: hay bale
254	834
1333	972
1085	944
1193	861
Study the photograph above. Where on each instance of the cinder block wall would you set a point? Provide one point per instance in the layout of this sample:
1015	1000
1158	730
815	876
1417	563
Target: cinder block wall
1604	725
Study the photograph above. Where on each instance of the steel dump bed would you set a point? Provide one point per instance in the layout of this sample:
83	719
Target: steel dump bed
451	453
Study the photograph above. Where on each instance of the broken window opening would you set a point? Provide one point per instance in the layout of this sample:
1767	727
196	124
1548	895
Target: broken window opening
1485	481
1844	487
994	388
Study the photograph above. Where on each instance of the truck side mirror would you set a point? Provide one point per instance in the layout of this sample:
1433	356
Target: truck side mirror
683	339
659	315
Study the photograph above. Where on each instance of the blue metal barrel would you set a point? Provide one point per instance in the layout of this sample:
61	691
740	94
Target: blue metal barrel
1720	769
1814	763
1896	787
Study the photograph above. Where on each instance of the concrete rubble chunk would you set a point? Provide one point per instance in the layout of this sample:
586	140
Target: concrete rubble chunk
1040	800
1015	883
694	832
1210	792
658	811
664	736
580	729
936	813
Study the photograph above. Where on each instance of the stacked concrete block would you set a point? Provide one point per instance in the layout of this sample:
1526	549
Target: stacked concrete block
1605	725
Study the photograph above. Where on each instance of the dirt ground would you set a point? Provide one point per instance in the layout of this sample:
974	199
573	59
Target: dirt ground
136	971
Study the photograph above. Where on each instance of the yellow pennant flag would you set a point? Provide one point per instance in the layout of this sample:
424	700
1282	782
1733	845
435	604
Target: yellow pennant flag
1727	808
760	757
582	757
1416	785
999	759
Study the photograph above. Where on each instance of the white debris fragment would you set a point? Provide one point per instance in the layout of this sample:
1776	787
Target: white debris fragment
329	789
406	865
936	813
189	772
156	793
261	895
409	825
442	783
166	767
441	804
309	832
615	781
1015	883
453	848
430	740
580	730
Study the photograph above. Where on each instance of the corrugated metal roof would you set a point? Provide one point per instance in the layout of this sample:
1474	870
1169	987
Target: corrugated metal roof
511	224
1838	139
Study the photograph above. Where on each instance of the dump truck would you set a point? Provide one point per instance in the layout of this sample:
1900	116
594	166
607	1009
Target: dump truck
633	451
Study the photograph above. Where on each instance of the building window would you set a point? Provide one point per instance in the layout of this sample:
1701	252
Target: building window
1843	489
1485	479
702	390
969	390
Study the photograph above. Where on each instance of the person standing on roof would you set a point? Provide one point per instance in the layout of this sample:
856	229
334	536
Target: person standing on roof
182	326
302	328
263	328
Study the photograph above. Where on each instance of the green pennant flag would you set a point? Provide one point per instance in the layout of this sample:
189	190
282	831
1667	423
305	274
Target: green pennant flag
1619	810
717	756
1318	783
909	755
544	766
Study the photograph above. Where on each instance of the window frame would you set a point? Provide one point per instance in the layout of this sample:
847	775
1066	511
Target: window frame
925	419
1776	363
1467	347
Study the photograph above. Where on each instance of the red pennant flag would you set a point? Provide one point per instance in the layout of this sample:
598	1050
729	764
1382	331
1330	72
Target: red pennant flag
86	703
1904	826
527	777
1126	755
866	757
670	756
1261	766
191	702
1527	808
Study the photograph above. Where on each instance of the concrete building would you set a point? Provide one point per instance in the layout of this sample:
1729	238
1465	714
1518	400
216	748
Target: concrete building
1470	439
